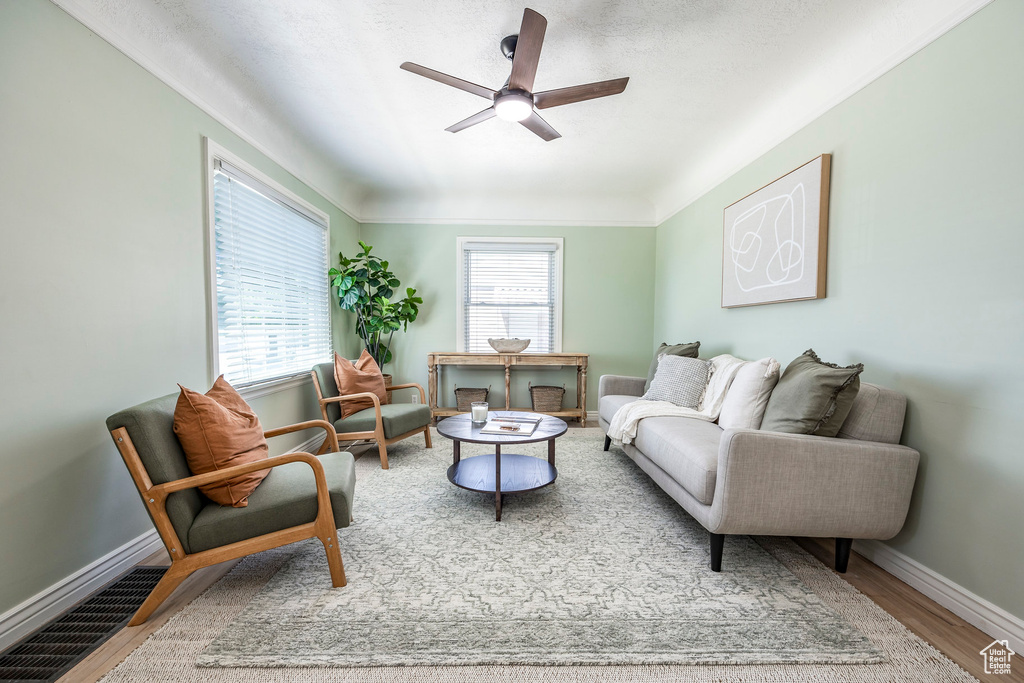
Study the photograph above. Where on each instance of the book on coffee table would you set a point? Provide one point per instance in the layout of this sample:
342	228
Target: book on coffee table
523	426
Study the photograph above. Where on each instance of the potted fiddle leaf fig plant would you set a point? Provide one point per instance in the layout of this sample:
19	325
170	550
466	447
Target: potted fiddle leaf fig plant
365	286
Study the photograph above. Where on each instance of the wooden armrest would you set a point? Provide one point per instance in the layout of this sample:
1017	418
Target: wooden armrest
332	436
161	491
349	397
410	385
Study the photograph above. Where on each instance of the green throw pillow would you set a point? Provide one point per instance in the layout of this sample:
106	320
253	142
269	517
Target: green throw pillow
686	350
812	397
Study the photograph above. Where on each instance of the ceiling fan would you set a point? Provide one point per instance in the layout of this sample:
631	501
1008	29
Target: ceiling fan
516	101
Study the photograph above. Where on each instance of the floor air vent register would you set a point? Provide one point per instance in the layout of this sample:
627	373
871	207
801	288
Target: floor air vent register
50	652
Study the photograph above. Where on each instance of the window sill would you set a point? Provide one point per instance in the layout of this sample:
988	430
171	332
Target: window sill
273	386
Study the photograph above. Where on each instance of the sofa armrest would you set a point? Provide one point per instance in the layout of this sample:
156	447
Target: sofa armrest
798	485
620	385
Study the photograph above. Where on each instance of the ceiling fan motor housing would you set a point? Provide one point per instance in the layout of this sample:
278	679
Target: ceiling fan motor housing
508	46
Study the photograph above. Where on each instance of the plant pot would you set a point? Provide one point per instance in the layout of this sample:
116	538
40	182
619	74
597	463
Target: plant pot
387	383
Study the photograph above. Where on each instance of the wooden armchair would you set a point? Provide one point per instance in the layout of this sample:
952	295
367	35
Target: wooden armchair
289	505
383	423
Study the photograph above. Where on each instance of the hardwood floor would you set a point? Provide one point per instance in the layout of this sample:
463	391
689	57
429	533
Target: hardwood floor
948	633
932	622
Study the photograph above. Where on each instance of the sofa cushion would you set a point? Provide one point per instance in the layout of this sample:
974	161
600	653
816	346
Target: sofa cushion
285	498
686	449
679	380
610	405
877	415
398	418
812	397
686	350
744	404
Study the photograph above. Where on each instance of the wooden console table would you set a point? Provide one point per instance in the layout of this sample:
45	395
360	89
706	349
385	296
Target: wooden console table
509	360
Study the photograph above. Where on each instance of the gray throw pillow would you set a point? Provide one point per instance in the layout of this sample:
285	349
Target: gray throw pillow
686	350
679	380
812	397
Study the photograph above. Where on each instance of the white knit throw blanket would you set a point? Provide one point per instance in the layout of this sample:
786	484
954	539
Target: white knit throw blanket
623	426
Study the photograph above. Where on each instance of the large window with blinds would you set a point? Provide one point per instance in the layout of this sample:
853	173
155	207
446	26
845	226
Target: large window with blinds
509	287
271	307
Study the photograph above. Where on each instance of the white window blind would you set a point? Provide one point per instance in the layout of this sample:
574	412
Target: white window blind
511	289
273	305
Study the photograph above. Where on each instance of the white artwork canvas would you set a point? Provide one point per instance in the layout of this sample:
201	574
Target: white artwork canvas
776	239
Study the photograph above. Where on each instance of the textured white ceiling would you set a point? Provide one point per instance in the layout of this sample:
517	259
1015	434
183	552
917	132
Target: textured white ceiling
712	84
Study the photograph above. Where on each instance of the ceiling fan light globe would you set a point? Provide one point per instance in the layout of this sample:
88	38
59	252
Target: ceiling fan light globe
513	107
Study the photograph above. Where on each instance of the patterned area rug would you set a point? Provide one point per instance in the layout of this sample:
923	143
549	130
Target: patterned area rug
170	654
600	568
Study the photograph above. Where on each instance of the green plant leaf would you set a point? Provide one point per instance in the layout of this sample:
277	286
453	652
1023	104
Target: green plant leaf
349	300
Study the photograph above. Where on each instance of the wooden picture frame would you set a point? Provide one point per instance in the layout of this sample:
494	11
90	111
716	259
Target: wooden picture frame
775	240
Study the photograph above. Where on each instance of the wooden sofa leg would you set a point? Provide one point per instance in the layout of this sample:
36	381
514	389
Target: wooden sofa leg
607	442
426	436
717	544
163	589
843	547
334	562
383	450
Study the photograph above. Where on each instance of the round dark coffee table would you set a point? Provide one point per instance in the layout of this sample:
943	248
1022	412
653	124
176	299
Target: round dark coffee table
500	473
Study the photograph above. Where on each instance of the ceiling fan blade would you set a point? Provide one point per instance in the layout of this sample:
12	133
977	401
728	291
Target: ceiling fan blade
480	90
541	127
527	54
579	93
479	117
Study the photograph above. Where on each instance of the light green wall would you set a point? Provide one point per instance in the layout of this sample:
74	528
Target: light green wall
608	301
925	284
103	297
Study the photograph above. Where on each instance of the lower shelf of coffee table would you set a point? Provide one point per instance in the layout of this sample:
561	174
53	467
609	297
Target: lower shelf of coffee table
518	473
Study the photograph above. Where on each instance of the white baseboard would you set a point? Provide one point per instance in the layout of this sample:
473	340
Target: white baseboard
22	619
973	609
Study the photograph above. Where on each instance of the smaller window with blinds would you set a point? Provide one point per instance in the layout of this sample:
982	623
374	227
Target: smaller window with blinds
268	276
509	287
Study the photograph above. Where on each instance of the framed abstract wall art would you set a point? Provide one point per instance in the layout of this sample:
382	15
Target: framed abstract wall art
776	240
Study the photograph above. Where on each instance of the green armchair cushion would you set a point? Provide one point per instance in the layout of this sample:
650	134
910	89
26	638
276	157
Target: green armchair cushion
329	388
398	419
150	426
285	498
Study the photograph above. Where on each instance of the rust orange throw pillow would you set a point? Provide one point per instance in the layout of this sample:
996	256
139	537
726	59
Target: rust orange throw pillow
363	376
218	430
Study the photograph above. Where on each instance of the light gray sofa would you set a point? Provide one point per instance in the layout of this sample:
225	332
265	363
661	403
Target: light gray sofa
745	481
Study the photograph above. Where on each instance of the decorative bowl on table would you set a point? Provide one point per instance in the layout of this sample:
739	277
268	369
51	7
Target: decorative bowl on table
508	345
